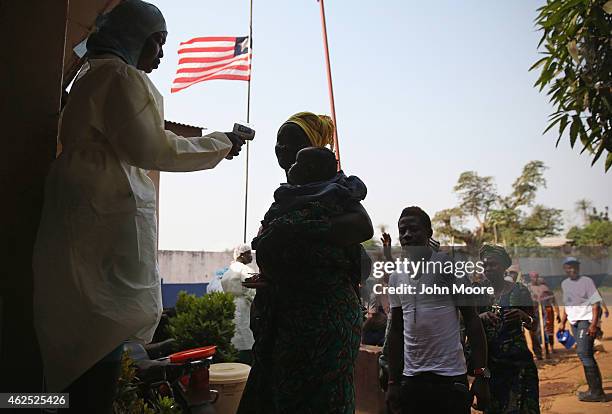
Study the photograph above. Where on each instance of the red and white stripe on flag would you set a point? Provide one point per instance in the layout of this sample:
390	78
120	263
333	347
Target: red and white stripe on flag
208	58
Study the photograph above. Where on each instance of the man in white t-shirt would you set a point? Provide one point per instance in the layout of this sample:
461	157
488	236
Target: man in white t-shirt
427	368
582	302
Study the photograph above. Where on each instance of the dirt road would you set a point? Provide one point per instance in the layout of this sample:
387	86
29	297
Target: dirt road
561	376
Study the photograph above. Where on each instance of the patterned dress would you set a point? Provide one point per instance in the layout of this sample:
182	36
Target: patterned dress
514	375
307	322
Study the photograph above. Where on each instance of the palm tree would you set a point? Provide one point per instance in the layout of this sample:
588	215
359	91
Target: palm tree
583	205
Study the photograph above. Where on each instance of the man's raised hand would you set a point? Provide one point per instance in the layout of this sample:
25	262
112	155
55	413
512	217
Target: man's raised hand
386	239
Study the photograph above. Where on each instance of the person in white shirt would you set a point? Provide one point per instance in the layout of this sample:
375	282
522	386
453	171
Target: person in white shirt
427	368
582	310
231	282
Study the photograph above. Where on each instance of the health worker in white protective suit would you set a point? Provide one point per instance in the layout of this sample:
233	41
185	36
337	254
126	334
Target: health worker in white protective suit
96	276
232	280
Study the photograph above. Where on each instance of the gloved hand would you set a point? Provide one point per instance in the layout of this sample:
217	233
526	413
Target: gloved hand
237	144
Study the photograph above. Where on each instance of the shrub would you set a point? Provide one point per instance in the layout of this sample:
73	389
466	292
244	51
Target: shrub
127	400
207	320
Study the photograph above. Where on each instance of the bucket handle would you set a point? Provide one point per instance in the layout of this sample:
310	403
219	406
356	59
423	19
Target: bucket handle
215	393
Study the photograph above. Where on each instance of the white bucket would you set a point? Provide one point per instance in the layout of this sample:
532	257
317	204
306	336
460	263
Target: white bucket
229	379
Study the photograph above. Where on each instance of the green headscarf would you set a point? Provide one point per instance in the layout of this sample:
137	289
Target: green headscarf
497	252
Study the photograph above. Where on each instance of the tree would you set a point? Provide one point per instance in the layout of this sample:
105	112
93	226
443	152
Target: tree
597	228
476	196
583	206
499	219
598	215
541	222
596	232
577	68
525	186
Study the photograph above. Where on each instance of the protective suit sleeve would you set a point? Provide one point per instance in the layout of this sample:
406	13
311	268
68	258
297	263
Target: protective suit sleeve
245	274
135	128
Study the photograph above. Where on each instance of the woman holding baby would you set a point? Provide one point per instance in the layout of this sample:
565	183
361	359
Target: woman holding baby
306	316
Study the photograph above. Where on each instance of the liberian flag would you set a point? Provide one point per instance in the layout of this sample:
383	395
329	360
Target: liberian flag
207	58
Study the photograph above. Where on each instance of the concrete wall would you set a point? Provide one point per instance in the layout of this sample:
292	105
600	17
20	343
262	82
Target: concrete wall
198	267
552	266
192	267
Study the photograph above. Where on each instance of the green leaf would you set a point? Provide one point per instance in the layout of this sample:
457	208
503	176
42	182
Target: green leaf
552	124
586	147
609	157
539	63
576	122
543	38
564	124
600	151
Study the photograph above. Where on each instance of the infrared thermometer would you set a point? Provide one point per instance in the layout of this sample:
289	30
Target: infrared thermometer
244	132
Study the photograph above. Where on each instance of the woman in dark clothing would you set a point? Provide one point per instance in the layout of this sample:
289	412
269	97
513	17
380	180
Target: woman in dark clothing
306	316
514	375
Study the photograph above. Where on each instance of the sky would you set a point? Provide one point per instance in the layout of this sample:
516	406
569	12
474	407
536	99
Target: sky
423	92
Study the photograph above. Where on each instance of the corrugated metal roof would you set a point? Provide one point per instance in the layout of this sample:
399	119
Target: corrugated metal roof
185	125
554	241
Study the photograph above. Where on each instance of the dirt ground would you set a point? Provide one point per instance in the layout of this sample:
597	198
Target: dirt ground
562	375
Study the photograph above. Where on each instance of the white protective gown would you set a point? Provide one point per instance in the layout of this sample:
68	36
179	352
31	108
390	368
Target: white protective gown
243	298
95	259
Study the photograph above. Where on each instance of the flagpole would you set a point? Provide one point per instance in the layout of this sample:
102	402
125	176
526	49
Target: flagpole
248	119
329	83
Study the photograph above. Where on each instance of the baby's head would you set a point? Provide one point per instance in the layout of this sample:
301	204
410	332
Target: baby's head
313	164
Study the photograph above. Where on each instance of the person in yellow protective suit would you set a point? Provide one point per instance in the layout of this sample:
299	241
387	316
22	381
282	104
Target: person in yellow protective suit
96	276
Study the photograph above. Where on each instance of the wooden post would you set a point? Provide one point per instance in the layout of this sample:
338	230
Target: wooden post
542	332
329	83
